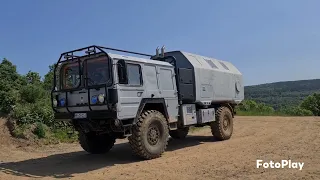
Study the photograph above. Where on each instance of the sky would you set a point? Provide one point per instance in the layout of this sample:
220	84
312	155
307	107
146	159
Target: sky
268	41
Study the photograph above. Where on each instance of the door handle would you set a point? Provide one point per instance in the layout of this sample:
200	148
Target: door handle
139	94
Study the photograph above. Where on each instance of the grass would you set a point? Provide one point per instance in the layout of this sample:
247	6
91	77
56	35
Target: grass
259	113
20	131
41	132
195	129
65	135
274	113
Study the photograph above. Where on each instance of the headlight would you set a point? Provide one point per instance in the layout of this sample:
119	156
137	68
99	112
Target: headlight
62	102
101	98
55	102
94	99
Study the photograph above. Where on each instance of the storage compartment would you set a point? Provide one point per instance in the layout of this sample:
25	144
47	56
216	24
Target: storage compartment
185	76
205	115
189	115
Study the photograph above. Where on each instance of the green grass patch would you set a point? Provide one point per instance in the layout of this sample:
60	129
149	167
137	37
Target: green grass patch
195	129
274	113
19	131
65	135
259	113
41	130
41	133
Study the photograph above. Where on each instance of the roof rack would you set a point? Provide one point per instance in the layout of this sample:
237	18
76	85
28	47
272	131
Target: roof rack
130	52
92	50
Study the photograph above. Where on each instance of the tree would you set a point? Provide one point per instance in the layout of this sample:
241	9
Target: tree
249	105
10	82
296	111
8	71
33	78
312	103
9	77
48	79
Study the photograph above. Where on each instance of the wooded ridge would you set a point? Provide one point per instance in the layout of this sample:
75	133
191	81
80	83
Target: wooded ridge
282	94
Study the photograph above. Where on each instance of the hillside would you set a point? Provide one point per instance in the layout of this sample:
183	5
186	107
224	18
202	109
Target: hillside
281	94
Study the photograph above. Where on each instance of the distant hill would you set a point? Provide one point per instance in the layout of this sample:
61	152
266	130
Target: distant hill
282	94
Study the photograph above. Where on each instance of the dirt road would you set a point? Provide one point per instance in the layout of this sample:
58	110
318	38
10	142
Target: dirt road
197	157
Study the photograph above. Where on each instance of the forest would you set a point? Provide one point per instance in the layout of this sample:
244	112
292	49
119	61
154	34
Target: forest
282	94
25	102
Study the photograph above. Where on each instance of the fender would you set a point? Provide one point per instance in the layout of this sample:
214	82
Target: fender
152	103
231	109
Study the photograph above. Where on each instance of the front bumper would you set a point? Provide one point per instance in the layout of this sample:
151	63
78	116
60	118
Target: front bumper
90	115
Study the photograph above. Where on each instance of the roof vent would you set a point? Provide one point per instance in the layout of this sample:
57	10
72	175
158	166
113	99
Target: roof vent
157	52
162	51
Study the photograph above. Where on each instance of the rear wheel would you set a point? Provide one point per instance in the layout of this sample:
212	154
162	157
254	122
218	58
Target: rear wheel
150	135
222	127
179	133
96	144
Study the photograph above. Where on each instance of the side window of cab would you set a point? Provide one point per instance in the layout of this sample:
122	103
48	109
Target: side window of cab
129	73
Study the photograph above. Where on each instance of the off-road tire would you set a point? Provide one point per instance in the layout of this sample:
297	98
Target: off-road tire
96	144
222	127
179	133
141	141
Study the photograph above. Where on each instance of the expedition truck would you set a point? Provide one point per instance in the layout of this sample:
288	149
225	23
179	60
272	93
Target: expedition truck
145	98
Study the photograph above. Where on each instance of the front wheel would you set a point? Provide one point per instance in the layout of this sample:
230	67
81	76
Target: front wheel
96	144
222	127
150	135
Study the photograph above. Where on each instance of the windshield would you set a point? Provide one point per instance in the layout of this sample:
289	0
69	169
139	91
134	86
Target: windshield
70	76
98	71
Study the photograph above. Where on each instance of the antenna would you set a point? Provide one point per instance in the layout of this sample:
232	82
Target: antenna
162	51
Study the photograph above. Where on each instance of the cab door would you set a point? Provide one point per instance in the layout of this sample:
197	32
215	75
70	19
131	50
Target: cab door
150	81
130	89
168	90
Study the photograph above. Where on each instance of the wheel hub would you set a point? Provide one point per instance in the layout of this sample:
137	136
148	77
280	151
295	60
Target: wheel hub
225	123
153	135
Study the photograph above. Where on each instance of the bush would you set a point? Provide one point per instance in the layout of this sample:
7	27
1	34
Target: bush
32	93
251	108
312	103
44	111
19	131
41	130
264	108
8	99
32	113
247	105
23	114
297	111
26	99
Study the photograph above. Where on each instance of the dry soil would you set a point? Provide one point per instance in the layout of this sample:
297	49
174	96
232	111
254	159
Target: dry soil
198	156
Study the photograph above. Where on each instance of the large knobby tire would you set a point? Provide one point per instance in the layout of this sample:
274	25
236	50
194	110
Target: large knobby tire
96	144
150	135
222	127
179	133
